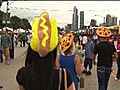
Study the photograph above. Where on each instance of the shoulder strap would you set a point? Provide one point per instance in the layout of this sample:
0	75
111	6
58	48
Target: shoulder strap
65	79
60	79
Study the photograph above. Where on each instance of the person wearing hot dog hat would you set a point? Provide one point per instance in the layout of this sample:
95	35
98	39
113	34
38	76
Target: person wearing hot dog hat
105	50
68	58
39	72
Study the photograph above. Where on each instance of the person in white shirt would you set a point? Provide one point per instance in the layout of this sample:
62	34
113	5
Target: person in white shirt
95	39
84	41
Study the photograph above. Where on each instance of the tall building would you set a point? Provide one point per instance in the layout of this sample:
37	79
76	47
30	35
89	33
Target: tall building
114	20
108	20
75	19
93	22
81	19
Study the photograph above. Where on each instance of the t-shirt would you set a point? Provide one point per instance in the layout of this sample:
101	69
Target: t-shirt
104	51
84	39
89	46
23	76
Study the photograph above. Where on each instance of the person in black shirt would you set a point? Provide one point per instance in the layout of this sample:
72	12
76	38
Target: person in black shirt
105	50
40	72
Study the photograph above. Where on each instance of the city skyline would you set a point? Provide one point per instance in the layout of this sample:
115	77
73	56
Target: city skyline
63	10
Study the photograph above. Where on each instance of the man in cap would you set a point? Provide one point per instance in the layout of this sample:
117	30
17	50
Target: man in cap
5	44
105	50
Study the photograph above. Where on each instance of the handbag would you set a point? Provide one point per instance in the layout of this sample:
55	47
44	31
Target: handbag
60	78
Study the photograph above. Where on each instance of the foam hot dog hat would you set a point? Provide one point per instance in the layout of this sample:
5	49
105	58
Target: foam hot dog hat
44	34
103	32
65	41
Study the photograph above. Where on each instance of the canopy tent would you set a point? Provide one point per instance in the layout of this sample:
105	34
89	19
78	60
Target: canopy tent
20	30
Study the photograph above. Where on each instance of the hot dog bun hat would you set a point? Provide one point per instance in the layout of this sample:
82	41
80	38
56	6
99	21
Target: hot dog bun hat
103	32
44	34
65	41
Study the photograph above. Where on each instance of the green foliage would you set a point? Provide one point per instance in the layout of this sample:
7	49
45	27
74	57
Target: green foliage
2	15
15	22
25	24
58	28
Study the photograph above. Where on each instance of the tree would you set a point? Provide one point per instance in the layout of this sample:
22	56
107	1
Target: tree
2	17
58	28
15	22
25	24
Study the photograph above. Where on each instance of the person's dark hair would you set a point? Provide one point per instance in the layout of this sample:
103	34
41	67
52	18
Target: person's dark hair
68	50
42	69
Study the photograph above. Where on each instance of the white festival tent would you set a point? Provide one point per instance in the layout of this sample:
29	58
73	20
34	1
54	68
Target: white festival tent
20	30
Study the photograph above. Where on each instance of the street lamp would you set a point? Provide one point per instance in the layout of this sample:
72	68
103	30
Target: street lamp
0	4
6	15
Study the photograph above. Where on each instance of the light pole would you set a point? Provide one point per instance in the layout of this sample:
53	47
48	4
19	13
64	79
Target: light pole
12	35
6	15
1	3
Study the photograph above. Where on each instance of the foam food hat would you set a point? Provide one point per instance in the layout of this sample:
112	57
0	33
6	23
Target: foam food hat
103	32
44	34
65	41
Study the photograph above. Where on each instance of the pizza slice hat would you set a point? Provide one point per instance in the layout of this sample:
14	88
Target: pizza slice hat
103	32
65	41
44	34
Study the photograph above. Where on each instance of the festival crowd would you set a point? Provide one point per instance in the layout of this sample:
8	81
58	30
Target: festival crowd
57	61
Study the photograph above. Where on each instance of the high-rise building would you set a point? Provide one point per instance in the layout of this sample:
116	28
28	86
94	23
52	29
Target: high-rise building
114	20
81	19
93	22
108	20
75	19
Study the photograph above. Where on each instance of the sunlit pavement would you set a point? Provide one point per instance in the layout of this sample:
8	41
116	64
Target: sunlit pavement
91	81
8	74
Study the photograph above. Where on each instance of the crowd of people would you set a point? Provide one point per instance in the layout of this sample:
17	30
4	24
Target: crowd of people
54	61
9	40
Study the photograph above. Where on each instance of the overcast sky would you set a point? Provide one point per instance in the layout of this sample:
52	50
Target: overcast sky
63	10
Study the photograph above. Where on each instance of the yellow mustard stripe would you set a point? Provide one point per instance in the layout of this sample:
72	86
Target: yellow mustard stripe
45	28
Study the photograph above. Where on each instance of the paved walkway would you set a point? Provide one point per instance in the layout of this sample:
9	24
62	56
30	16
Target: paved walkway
8	74
91	82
